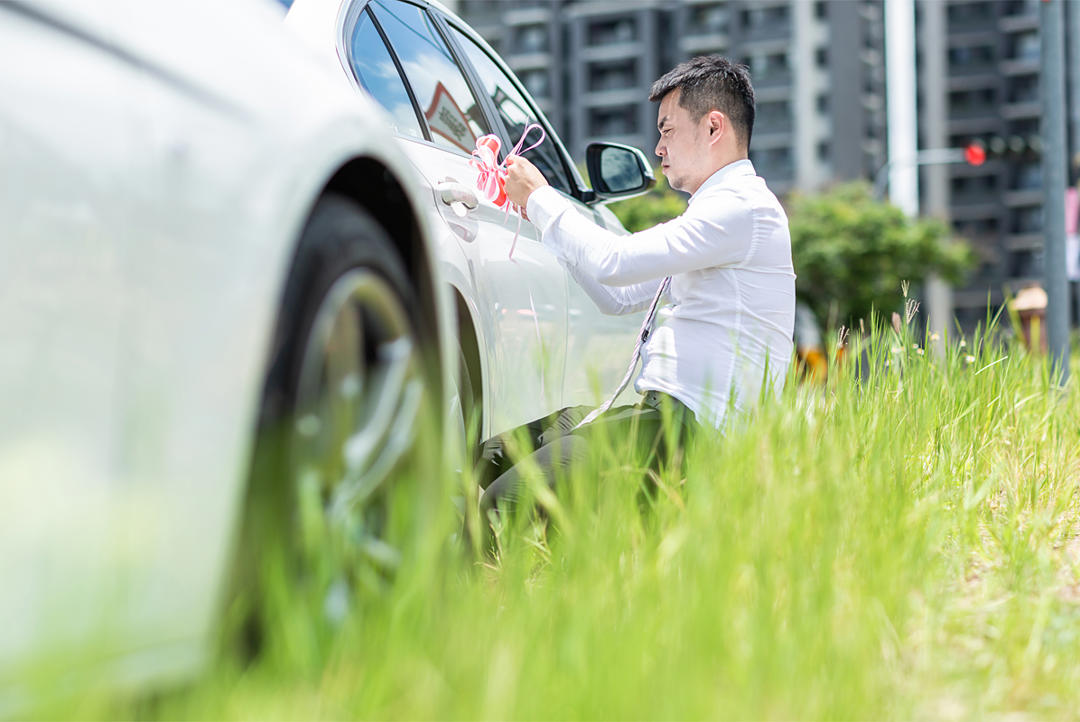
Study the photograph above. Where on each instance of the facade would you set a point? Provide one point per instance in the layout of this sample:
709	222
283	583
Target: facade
979	82
589	65
819	74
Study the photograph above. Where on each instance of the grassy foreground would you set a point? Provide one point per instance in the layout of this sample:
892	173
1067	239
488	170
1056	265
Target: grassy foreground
901	545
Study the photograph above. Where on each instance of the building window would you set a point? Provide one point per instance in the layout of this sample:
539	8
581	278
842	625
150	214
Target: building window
613	76
773	115
1022	7
972	101
621	120
1023	89
971	56
963	14
824	151
531	39
765	18
609	32
1027	220
1026	264
708	19
537	82
821	57
821	10
1024	46
1027	177
822	103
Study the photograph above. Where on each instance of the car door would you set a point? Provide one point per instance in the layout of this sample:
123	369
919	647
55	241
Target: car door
520	296
598	346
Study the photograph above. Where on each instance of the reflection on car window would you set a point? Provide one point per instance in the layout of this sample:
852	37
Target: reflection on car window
376	71
451	111
619	170
516	113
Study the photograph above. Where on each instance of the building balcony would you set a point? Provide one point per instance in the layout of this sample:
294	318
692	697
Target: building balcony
635	140
975	112
612	51
773	80
982	27
1019	66
974	209
519	61
614	96
1025	109
1024	241
976	295
980	81
705	43
1019	23
973	69
779	126
766	33
992	166
975	125
769	141
527	16
974	197
1022	197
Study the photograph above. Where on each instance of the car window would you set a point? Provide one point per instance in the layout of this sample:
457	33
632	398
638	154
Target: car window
452	113
516	113
375	69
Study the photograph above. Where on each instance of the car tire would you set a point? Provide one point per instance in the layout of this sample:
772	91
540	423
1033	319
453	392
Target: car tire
348	417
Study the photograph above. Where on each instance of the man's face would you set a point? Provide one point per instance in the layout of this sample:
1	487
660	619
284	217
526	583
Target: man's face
683	146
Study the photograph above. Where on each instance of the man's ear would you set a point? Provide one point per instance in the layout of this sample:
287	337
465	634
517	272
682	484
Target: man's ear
717	125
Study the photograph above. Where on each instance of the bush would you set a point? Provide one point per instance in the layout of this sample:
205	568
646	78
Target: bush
657	206
852	252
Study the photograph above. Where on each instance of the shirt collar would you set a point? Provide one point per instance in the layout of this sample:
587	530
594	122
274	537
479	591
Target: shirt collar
732	170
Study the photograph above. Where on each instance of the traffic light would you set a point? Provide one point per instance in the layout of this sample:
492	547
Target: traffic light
975	153
997	147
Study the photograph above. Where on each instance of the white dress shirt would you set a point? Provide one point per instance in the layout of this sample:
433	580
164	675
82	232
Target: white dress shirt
725	334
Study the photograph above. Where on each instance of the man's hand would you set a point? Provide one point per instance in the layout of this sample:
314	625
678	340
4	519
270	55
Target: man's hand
522	178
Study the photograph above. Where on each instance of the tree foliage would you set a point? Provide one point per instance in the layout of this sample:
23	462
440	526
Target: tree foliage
852	252
660	204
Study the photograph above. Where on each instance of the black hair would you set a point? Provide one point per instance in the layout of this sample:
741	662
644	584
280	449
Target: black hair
712	82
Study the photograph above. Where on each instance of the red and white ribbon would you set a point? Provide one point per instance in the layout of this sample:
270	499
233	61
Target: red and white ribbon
491	173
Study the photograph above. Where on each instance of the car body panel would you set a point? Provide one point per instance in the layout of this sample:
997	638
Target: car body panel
137	332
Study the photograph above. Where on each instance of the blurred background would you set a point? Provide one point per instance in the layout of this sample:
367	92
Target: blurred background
819	73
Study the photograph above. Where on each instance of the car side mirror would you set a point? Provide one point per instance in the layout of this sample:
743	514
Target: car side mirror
617	171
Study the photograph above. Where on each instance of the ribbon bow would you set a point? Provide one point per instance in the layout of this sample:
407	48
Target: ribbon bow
491	173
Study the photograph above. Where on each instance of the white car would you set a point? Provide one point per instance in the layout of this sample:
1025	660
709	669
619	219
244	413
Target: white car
532	340
204	240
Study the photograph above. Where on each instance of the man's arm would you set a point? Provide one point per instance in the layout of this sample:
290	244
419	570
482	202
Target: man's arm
715	231
615	300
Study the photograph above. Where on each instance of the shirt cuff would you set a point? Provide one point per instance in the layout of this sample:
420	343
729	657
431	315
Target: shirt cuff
544	206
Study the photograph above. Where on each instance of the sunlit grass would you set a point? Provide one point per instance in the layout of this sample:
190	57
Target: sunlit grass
901	542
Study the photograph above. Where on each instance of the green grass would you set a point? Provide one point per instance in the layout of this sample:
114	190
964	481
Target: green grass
903	545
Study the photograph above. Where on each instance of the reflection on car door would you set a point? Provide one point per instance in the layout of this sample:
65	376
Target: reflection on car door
598	345
521	299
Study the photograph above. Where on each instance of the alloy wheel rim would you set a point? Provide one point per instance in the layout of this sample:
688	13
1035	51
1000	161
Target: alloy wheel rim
358	399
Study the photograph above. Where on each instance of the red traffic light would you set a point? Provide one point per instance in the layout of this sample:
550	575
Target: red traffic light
975	154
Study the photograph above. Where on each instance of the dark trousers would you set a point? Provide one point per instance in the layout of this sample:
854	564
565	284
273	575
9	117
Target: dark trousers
653	431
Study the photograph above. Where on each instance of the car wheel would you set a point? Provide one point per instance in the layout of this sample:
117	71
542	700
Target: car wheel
348	416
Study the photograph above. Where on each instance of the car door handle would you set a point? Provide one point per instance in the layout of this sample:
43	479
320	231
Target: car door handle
451	192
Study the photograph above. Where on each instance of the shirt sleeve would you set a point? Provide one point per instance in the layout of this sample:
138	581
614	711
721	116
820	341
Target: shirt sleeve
615	300
715	230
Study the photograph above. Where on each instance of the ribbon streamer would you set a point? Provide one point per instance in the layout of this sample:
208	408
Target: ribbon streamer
491	173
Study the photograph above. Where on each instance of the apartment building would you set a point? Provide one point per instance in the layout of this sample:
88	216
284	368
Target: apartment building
979	82
817	69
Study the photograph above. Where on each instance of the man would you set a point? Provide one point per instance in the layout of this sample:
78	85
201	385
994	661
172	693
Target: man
723	267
